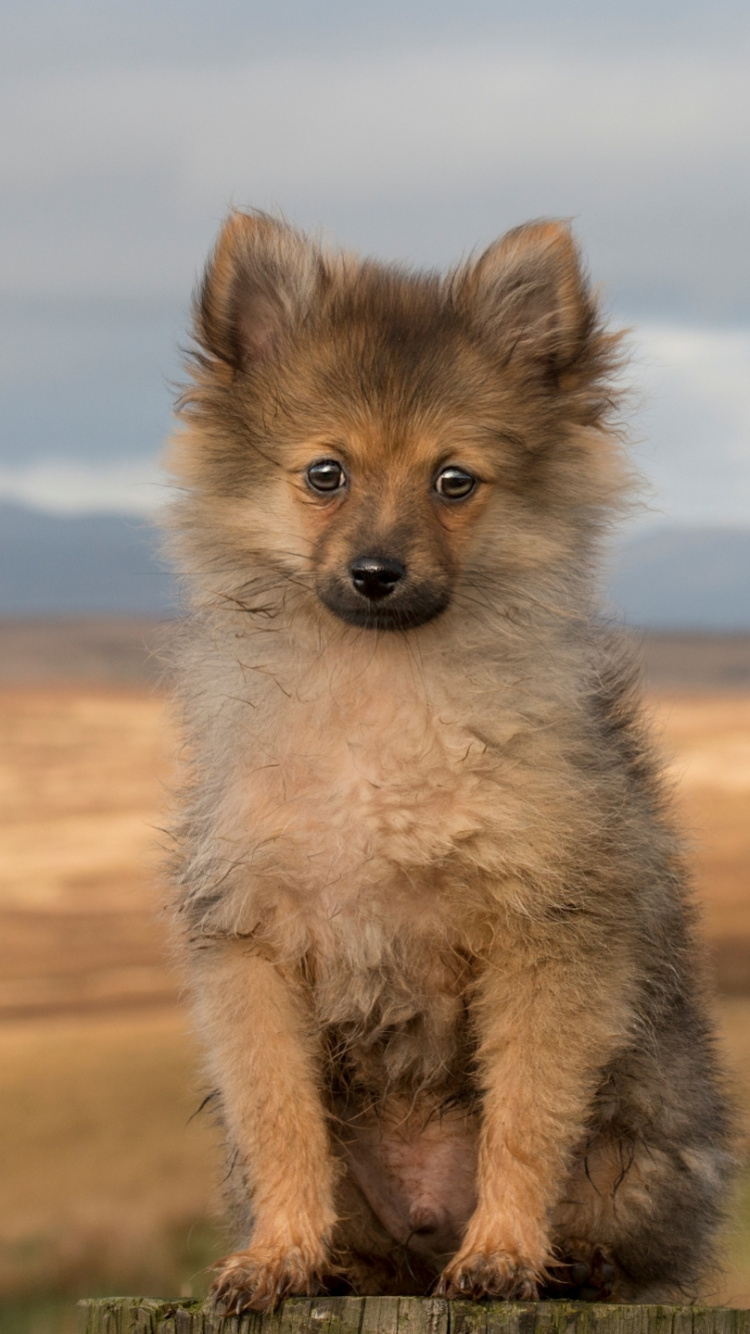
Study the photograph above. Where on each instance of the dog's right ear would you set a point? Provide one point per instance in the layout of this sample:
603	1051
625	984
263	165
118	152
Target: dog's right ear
259	283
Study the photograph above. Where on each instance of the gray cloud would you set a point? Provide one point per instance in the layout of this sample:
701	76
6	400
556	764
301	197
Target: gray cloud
415	131
119	175
85	380
691	431
77	33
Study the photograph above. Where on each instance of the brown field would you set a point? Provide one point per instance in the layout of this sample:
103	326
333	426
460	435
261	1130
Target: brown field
108	1185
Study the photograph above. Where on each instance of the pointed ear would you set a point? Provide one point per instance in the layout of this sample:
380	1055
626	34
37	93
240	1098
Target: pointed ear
528	294
260	282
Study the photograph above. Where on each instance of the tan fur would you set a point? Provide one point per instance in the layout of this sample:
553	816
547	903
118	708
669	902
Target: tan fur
431	906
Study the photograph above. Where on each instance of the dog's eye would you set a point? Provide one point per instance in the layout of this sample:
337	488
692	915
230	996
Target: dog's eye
455	483
326	475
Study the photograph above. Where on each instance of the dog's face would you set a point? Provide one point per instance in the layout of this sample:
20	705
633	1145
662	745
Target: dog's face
390	536
375	443
387	523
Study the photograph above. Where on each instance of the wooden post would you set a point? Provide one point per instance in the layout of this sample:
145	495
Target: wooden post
407	1315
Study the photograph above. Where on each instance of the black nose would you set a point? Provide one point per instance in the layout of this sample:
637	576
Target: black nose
376	576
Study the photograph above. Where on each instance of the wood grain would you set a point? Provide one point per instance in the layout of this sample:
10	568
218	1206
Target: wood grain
407	1315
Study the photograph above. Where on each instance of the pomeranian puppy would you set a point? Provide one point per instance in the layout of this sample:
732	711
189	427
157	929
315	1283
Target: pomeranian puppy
429	896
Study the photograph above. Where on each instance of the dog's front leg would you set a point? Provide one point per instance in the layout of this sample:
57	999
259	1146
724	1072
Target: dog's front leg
546	1025
267	1070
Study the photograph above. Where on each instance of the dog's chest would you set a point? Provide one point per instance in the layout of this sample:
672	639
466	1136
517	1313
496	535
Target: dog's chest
358	780
356	809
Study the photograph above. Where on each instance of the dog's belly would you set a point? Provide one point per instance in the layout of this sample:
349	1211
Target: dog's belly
417	1173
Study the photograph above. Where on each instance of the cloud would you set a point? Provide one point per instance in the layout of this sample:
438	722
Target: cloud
80	33
693	429
120	175
63	486
89	380
414	132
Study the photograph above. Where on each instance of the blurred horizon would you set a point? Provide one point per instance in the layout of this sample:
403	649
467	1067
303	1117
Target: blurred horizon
104	563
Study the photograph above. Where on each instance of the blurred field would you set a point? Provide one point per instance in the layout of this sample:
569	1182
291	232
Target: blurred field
108	1185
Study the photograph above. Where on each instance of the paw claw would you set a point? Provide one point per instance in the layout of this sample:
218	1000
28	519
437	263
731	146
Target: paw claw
489	1274
257	1279
585	1272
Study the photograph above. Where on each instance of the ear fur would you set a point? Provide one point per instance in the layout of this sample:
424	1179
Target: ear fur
527	293
260	282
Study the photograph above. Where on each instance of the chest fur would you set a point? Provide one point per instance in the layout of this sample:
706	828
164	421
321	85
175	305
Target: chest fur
362	809
363	782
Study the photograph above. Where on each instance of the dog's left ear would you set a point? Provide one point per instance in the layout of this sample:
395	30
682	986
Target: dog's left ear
527	294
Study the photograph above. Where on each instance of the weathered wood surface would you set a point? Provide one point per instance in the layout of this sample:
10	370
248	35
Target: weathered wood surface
406	1315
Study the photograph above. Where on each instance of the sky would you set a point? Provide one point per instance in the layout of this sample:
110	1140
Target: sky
415	130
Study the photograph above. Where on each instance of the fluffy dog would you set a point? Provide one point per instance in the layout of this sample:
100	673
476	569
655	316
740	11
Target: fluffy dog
429	895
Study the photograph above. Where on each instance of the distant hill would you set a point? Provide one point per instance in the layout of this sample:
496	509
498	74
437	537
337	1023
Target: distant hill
108	564
90	564
684	579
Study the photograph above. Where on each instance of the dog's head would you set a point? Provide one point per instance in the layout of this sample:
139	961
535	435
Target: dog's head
374	442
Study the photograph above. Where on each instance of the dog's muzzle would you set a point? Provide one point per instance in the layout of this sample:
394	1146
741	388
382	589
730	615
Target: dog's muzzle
378	593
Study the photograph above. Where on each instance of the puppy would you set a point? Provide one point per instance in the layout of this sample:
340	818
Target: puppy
428	893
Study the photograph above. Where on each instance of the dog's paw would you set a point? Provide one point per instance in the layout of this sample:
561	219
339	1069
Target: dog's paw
258	1279
584	1272
489	1274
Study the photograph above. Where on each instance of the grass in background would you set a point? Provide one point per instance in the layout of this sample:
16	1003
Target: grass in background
109	1186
